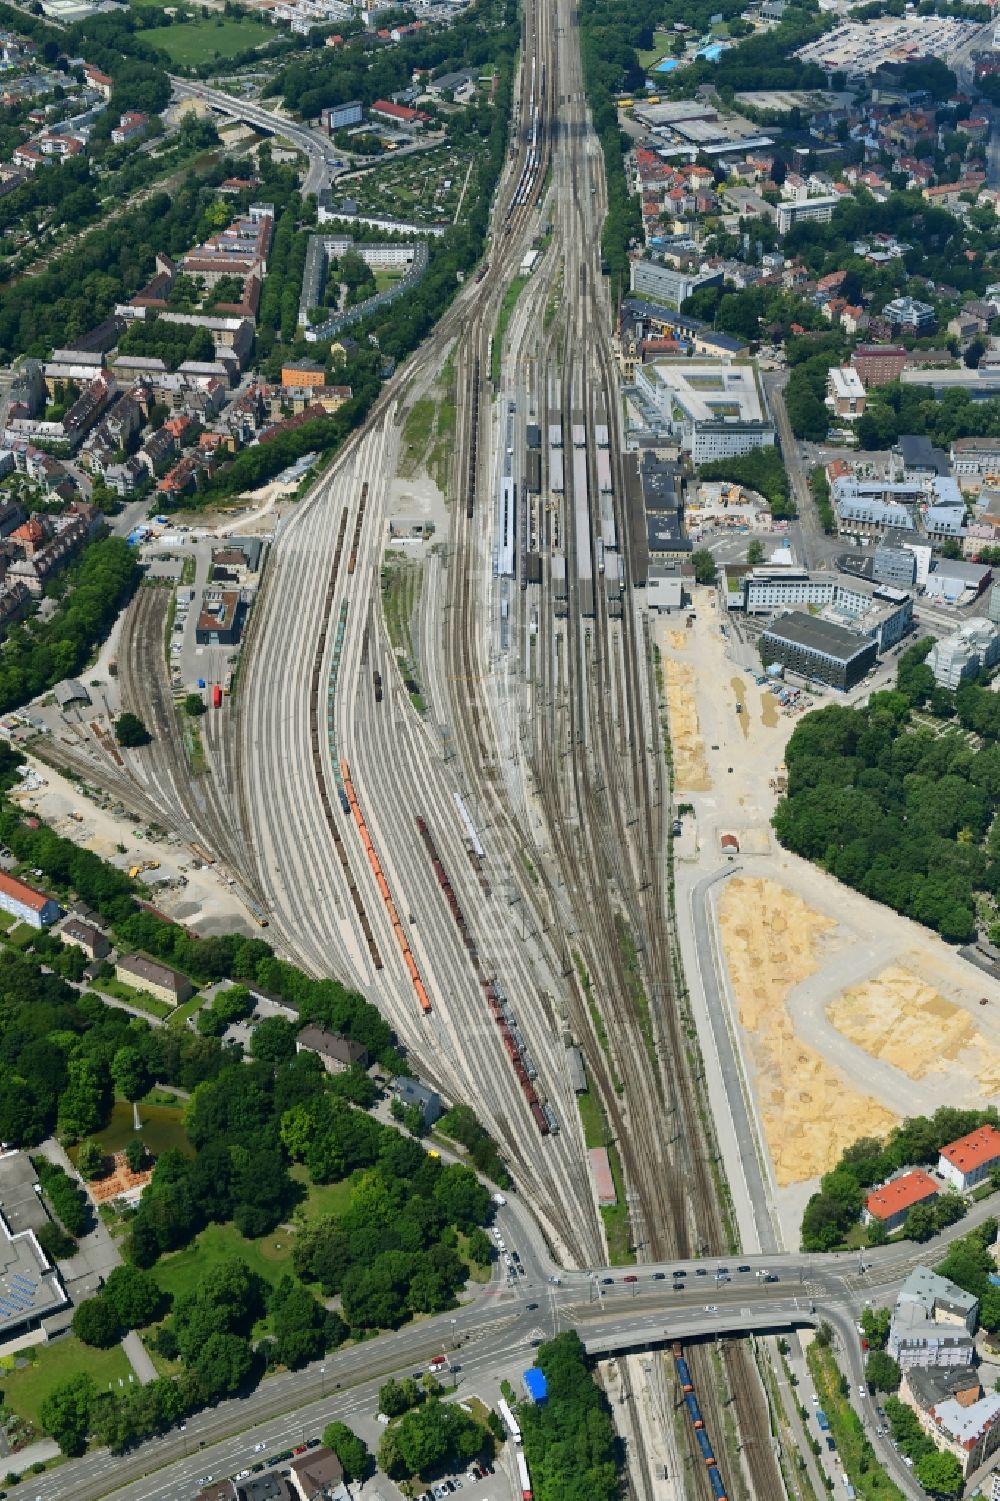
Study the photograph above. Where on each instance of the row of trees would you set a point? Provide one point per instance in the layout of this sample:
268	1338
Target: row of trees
39	653
834	1210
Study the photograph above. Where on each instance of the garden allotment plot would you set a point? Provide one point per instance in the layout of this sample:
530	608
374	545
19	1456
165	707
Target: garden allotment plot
425	188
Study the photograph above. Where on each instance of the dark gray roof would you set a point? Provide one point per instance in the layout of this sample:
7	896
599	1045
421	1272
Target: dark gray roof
817	635
661	484
933	1384
918	452
332	1045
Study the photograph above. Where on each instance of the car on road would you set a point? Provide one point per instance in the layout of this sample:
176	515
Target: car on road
814	1399
742	1268
710	1308
682	1273
607	1281
630	1278
258	1447
699	1272
659	1276
862	1391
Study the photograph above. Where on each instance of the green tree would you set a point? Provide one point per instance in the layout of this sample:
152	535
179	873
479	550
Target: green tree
194	705
96	1323
130	1073
940	1473
223	1364
91	1160
65	1412
130	730
135	1154
273	1040
704	566
396	1397
875	1323
350	1450
755	552
920	1223
134	1295
882	1372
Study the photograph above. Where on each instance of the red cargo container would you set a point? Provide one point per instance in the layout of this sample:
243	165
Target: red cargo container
216	697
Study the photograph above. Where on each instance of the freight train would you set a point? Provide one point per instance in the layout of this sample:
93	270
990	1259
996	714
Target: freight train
384	892
510	1033
698	1422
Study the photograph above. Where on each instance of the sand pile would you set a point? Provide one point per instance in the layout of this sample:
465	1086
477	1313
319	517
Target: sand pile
772	942
899	1019
690	771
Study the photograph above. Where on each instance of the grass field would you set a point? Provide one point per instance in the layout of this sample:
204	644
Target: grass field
197	41
137	998
26	1390
661	42
179	1016
181	1272
322	1198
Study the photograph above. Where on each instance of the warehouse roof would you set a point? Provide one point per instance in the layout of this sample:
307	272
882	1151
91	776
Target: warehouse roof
817	635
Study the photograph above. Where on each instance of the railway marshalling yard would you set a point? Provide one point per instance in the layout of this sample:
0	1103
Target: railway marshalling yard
848	1017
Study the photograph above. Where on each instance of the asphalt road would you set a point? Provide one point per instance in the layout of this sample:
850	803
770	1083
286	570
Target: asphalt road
315	145
706	1298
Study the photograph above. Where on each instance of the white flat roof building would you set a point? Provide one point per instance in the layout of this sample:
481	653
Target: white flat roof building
845	392
716	409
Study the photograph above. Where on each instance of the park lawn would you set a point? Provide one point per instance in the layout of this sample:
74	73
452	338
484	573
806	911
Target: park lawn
477	1273
25	1390
661	41
321	1198
198	41
140	999
182	1271
180	1014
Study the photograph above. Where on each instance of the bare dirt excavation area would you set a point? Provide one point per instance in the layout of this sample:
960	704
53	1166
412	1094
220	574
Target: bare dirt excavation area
848	1017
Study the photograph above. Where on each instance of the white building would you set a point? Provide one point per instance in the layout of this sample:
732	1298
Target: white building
957	658
933	1322
26	904
805	211
714	408
845	394
970	1159
670	283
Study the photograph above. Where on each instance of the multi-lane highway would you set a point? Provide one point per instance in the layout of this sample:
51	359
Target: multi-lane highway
689	1301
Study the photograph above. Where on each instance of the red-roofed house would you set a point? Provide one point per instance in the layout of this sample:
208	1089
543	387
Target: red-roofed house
892	1203
398	114
131	124
98	80
25	902
966	1162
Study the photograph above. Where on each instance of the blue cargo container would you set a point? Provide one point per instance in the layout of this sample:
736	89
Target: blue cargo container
694	1411
718	1488
705	1445
684	1375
